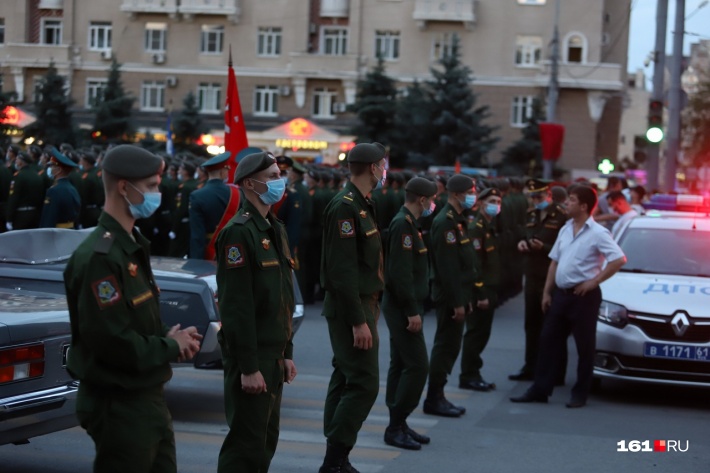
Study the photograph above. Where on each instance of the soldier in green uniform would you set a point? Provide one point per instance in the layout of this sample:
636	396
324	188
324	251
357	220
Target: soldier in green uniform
209	204
452	291
5	179
290	210
483	234
163	217
24	204
256	302
313	238
352	274
545	219
43	166
180	232
62	203
121	351
295	175
92	190
406	286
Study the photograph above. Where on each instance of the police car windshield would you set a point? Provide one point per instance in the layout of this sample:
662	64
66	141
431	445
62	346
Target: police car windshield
666	251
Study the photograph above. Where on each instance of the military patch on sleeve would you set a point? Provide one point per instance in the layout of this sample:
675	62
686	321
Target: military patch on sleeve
450	237
234	256
346	227
106	291
477	243
407	242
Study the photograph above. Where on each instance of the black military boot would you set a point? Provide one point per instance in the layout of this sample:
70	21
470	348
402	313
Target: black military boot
437	405
395	434
416	436
335	457
347	466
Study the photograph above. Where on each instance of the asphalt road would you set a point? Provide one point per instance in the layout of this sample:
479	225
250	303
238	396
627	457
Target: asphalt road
495	436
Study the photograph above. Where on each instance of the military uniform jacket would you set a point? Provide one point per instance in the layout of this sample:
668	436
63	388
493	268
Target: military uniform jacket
61	206
182	203
26	194
207	206
484	238
351	262
453	259
255	289
407	265
544	226
5	179
118	339
290	214
92	196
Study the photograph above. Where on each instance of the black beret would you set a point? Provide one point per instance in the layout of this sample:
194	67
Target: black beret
533	186
313	173
24	157
35	150
15	149
442	178
189	166
459	183
366	153
253	163
89	156
284	162
408	175
131	162
421	186
397	177
491	191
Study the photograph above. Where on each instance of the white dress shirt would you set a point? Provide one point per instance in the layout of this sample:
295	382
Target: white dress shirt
581	257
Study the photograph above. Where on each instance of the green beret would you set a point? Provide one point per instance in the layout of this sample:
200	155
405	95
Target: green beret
459	183
366	153
421	186
253	163
59	158
491	191
220	159
533	186
131	162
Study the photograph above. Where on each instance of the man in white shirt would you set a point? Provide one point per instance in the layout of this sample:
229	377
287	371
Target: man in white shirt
572	296
618	203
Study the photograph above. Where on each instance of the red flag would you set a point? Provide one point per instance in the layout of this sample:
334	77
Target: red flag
235	132
551	137
457	166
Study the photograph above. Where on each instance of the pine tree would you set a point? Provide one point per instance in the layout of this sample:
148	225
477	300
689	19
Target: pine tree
696	124
114	108
456	122
412	139
188	125
375	106
524	157
54	122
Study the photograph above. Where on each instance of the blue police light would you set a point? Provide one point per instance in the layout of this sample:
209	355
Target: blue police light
682	203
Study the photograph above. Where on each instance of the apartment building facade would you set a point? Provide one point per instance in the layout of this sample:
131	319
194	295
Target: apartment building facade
303	58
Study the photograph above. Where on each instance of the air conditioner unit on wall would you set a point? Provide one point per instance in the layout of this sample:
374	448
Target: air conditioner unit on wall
340	107
106	54
285	90
171	81
158	58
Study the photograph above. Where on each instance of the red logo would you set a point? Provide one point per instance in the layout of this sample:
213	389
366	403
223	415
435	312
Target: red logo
659	445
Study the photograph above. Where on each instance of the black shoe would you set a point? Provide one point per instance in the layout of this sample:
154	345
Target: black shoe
417	437
347	467
397	437
330	469
461	409
478	384
529	397
521	375
441	407
575	403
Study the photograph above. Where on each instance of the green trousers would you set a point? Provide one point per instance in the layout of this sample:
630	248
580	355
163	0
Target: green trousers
253	419
447	344
475	339
131	432
409	361
355	381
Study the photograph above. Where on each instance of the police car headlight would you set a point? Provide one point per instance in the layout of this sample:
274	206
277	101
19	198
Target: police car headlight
613	314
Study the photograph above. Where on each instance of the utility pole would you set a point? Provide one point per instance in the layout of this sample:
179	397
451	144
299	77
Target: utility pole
659	64
674	97
553	91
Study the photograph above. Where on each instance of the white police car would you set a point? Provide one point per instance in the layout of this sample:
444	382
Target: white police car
654	321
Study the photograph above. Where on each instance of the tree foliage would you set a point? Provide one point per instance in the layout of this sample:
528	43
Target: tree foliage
524	157
412	138
188	125
114	108
375	106
54	122
696	124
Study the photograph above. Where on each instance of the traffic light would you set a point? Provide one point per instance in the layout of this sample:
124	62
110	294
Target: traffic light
654	132
640	151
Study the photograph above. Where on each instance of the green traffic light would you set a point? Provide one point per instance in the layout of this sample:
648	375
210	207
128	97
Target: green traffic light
654	135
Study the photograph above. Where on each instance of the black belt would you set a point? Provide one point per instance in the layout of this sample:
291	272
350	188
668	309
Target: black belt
568	291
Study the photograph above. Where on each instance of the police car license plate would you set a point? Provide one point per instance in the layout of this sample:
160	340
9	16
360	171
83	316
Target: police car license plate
677	352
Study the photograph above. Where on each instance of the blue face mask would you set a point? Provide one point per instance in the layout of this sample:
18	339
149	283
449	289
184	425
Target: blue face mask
542	205
81	167
151	202
274	191
430	210
469	202
49	172
492	209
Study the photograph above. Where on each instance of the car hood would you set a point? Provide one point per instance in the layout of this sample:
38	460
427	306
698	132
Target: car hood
659	294
4	335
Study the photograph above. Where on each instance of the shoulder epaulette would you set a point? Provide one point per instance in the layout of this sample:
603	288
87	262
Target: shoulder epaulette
348	198
450	214
408	218
104	243
243	218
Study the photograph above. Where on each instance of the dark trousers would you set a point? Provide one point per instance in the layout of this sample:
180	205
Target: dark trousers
534	317
568	314
475	339
447	345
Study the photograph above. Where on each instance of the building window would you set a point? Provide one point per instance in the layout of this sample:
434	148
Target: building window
155	34
269	42
323	100
521	110
528	50
209	98
576	48
212	39
442	45
266	100
2	30
153	96
387	45
95	91
335	41
99	36
51	31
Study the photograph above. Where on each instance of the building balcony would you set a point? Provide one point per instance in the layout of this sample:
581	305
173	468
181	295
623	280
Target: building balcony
335	8
34	55
444	10
229	8
133	7
51	5
604	76
323	66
